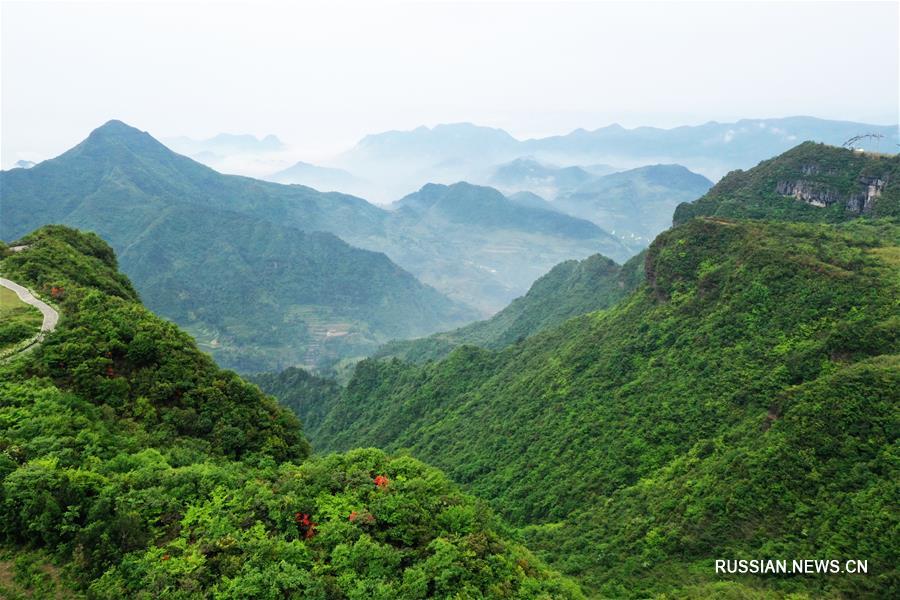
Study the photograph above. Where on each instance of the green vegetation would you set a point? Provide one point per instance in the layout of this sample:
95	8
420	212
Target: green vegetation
637	204
304	393
18	321
246	268
483	248
132	467
741	403
570	289
231	259
843	183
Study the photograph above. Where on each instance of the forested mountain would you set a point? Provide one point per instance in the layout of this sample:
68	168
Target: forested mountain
123	184
484	248
812	182
570	289
133	467
478	206
740	403
636	204
218	253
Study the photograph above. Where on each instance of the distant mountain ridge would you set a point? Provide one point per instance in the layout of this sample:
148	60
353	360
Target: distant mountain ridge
468	204
321	178
712	148
529	174
484	248
636	204
441	141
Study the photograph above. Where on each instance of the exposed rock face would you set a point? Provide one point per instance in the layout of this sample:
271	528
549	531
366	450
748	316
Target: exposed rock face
809	192
817	194
861	202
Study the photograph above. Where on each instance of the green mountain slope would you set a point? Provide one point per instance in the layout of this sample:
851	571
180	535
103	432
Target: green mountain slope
740	404
123	184
636	204
218	254
133	467
570	289
811	182
484	248
479	206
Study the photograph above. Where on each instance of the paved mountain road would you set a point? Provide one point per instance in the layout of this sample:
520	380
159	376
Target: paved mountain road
51	317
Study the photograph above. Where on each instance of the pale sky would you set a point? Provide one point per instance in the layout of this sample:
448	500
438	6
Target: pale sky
322	75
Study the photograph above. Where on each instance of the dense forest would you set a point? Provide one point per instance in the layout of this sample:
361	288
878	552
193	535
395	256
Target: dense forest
754	374
728	393
740	401
132	467
570	289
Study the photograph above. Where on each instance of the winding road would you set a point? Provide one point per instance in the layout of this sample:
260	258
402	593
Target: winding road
51	317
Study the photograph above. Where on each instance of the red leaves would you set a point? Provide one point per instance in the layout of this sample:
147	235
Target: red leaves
165	557
57	292
305	525
110	372
381	482
366	517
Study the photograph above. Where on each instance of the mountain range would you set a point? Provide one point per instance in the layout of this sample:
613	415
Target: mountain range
739	400
530	175
246	266
712	148
253	268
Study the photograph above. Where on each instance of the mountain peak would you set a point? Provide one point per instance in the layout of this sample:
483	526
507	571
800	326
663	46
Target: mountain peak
117	127
115	134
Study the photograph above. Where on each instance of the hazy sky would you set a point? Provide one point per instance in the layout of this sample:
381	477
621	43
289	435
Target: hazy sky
321	75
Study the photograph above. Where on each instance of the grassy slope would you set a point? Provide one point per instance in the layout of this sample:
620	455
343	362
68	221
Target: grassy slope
605	423
130	461
18	321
